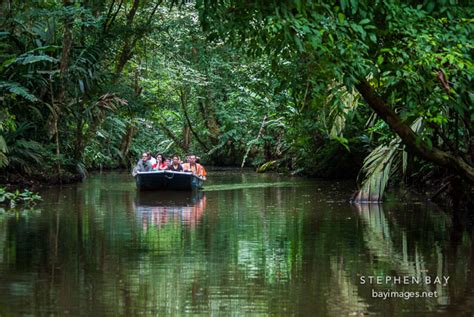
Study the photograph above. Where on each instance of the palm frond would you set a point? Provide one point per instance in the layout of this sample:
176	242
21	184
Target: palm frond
30	59
110	101
3	152
3	160
81	169
16	89
29	150
380	165
3	145
377	169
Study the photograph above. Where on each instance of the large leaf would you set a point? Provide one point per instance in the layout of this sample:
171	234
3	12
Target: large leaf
30	59
17	89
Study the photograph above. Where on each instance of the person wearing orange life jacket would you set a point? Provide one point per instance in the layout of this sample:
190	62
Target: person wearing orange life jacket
194	167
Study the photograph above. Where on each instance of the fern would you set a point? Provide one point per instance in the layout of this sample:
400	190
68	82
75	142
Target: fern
22	154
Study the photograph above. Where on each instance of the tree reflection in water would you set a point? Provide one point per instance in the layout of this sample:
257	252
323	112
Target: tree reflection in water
102	248
397	249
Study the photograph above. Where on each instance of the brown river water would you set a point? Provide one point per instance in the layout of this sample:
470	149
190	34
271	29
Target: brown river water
248	244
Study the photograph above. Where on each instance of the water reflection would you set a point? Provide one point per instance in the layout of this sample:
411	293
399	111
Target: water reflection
155	209
398	246
344	298
100	248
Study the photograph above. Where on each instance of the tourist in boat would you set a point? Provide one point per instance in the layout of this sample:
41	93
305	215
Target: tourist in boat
175	166
194	167
151	158
144	164
160	162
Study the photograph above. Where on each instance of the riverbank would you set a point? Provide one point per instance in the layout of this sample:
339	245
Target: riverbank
452	195
14	181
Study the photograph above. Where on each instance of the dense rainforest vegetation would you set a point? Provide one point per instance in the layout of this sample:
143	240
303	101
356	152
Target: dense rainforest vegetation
381	90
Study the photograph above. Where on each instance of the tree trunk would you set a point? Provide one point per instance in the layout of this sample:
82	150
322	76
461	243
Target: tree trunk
78	150
186	137
253	143
64	64
130	43
66	51
58	150
125	53
184	102
110	18
410	139
208	112
126	143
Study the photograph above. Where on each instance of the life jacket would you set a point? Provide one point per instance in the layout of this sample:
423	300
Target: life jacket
197	169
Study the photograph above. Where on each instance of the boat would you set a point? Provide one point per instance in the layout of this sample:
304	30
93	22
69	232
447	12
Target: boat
168	180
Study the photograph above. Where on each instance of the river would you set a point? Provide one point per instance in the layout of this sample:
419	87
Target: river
247	244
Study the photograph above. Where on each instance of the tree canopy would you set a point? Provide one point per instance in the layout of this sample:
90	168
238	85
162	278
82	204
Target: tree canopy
307	87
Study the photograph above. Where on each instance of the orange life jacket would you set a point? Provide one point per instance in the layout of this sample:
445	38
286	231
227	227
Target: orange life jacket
197	169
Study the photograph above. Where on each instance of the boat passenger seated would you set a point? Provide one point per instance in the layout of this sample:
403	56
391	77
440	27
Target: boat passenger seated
144	164
151	158
194	167
160	162
175	166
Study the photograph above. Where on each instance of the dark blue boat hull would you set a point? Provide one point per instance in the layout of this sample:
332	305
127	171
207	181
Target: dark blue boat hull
167	180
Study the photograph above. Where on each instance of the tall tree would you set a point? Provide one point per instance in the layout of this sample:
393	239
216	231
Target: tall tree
392	52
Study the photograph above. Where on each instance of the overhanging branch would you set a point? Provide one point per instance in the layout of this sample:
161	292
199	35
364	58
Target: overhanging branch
410	139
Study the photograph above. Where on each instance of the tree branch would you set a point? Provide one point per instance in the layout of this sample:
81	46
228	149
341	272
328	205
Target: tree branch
410	139
182	97
171	135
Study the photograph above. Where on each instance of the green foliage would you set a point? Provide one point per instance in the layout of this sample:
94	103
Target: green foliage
100	82
380	165
183	92
416	57
16	89
11	199
24	155
3	152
